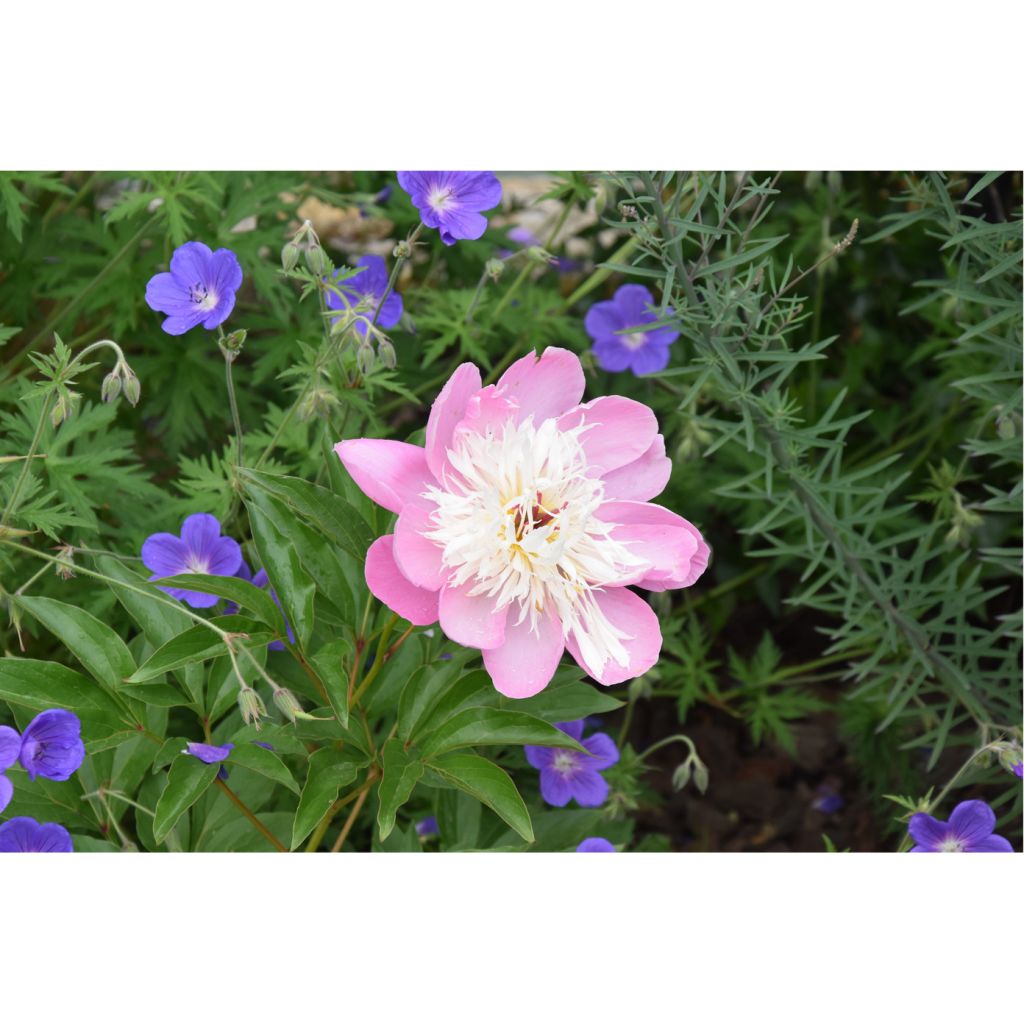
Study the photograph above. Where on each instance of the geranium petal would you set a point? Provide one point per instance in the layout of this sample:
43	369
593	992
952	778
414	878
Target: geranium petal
972	821
10	746
165	555
926	831
190	263
602	750
554	788
588	788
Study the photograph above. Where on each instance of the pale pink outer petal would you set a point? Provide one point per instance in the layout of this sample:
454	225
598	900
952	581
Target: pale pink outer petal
391	473
544	387
634	617
487	412
673	545
472	621
387	584
526	661
417	556
642	479
619	431
448	409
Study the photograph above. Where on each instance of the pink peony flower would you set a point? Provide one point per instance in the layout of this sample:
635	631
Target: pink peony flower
524	520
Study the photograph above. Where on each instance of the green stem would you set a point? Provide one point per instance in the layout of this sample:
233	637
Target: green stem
241	805
12	504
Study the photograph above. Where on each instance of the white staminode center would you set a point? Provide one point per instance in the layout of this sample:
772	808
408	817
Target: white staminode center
517	520
439	199
564	762
196	563
634	340
951	845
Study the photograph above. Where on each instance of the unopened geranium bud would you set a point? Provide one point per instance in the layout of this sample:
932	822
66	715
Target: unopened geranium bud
317	402
1006	428
700	776
539	254
494	269
386	353
111	386
288	704
251	706
402	251
315	259
289	256
64	407
681	776
364	359
234	341
130	383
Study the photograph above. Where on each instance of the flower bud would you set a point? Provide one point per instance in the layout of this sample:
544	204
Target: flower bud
364	359
539	254
317	402
681	776
111	386
386	353
251	707
289	256
288	704
1005	427
700	776
234	341
402	251
316	260
65	568
64	407
130	383
494	269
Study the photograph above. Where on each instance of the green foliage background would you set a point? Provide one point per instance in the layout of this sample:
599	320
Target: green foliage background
843	409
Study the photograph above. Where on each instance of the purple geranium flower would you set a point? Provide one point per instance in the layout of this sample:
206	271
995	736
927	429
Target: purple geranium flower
10	747
622	340
427	827
208	753
595	844
200	288
200	548
26	835
451	201
51	745
568	774
969	830
370	283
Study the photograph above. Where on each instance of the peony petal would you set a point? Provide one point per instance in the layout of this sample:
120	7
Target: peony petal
544	387
526	661
634	617
472	620
448	409
390	473
618	432
673	546
387	584
642	479
419	558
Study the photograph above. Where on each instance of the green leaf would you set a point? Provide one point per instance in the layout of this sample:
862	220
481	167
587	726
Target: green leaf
194	645
188	779
45	684
434	694
477	727
568	700
264	762
100	650
291	581
234	589
484	780
153	611
402	771
330	514
329	770
329	665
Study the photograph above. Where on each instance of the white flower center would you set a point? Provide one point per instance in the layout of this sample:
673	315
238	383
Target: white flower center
196	563
564	762
634	340
440	199
205	298
951	845
517	519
